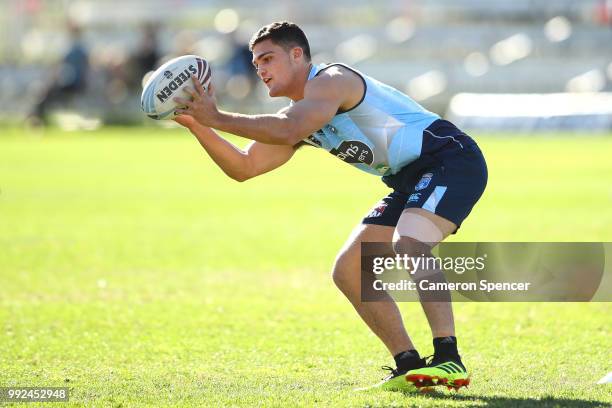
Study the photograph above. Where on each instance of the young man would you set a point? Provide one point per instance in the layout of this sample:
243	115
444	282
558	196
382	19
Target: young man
437	174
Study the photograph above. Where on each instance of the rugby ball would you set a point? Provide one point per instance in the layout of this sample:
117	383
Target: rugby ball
168	82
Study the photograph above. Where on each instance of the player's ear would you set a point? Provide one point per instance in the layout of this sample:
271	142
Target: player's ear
297	52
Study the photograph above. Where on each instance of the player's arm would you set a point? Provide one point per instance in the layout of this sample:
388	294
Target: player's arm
322	98
240	165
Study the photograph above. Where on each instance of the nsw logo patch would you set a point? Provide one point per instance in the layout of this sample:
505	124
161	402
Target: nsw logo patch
423	182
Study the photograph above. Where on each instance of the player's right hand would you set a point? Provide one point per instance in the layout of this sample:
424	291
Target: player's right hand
185	120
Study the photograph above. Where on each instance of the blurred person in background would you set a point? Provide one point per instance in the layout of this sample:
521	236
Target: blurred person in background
240	67
146	56
68	80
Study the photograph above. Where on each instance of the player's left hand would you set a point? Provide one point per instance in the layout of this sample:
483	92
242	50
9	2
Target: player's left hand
202	106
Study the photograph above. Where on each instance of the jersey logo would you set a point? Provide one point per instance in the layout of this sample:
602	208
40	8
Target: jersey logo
354	151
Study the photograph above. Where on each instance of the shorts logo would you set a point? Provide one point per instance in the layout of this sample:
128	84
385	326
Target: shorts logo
378	210
424	182
414	197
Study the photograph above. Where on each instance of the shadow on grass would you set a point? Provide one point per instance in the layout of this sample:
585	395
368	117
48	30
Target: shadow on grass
500	401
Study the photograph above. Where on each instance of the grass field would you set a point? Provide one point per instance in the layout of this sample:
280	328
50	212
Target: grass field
134	272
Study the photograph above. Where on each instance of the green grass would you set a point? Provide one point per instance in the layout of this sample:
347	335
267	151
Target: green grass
134	272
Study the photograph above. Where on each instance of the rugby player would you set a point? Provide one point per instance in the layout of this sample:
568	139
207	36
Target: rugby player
436	172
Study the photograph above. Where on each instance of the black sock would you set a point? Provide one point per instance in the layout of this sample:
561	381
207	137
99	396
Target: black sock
446	347
407	360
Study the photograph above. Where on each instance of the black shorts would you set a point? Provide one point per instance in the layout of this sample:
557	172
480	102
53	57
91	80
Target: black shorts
448	182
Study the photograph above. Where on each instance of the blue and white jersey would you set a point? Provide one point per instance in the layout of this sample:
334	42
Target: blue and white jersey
381	134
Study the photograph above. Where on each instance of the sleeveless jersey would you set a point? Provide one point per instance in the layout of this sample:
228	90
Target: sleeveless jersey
384	132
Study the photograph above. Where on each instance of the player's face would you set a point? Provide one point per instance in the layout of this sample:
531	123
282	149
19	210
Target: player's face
275	66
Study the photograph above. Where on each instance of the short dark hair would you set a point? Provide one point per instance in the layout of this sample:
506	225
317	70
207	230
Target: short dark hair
284	34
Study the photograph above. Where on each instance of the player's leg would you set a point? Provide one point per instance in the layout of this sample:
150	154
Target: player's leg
382	317
417	232
439	202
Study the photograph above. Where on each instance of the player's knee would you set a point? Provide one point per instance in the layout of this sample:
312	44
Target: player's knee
411	247
416	249
344	269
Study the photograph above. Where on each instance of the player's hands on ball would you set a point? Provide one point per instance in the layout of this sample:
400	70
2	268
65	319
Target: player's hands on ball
185	120
202	106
